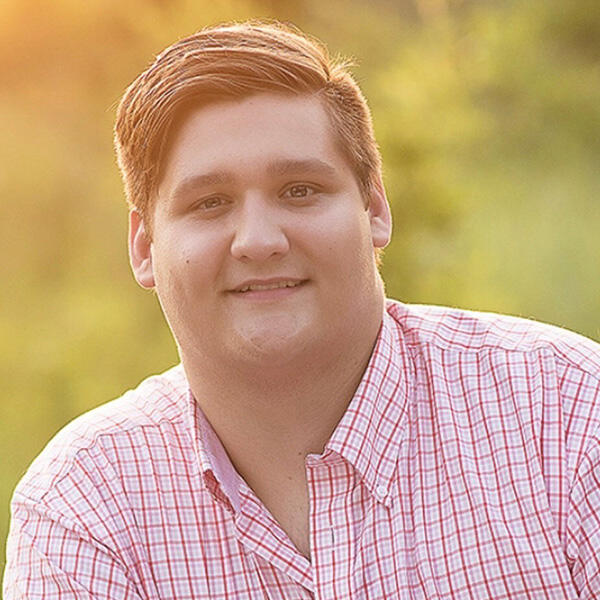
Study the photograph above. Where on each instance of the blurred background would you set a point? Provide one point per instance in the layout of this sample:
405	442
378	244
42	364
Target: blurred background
488	117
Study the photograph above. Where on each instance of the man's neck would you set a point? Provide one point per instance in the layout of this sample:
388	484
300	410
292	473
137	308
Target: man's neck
269	417
264	416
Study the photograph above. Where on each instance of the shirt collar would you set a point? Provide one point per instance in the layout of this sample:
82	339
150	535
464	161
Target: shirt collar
220	476
369	434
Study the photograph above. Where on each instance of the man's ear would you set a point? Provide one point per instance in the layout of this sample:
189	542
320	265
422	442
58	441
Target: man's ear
380	215
140	251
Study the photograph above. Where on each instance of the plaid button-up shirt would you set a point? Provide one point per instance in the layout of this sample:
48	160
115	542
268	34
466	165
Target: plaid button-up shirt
467	465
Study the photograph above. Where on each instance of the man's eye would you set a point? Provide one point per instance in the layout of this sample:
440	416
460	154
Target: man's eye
210	203
299	190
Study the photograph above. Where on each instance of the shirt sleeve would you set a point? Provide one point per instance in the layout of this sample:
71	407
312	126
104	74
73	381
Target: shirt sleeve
583	523
50	558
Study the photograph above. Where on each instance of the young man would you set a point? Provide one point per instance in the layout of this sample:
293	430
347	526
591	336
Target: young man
317	441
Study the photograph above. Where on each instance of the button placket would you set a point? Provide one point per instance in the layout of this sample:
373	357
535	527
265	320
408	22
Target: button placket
329	484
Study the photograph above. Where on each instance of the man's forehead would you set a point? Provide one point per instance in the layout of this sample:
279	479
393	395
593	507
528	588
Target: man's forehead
293	132
217	108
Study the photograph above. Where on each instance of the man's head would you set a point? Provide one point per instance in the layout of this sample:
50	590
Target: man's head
233	62
257	203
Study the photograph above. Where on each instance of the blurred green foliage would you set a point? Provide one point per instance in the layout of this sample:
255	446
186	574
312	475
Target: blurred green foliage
488	117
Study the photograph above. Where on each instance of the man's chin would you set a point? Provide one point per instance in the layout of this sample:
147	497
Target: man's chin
277	339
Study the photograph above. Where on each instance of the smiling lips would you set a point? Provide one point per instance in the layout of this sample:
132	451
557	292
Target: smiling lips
267	286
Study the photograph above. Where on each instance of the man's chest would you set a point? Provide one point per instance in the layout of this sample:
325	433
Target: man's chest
433	542
469	513
289	506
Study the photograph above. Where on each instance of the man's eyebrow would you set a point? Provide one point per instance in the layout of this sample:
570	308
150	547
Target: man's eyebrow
308	165
201	180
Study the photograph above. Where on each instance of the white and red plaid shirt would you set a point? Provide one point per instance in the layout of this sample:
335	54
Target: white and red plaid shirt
466	466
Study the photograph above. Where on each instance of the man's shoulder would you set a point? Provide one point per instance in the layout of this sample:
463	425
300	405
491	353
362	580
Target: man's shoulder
156	399
466	331
157	402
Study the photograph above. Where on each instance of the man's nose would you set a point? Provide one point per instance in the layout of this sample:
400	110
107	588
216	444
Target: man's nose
259	234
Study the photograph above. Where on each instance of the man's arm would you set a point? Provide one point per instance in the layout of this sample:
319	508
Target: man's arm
51	558
583	523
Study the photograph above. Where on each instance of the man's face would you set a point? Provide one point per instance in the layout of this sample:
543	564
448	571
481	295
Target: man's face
263	247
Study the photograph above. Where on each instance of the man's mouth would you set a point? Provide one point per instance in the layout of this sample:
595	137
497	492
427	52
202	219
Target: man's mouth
268	285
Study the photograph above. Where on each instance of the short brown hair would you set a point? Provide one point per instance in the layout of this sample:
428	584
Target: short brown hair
229	61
